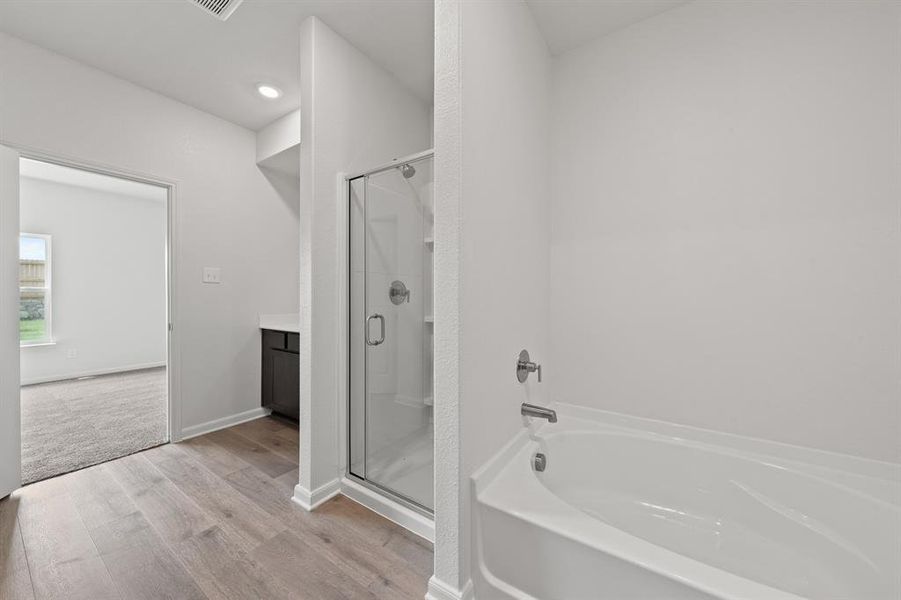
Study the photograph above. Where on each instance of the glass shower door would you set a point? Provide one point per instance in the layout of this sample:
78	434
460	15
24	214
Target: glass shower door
391	430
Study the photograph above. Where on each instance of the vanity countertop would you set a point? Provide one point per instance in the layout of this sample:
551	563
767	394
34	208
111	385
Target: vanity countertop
290	322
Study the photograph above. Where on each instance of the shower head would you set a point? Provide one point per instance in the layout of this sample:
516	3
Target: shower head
407	171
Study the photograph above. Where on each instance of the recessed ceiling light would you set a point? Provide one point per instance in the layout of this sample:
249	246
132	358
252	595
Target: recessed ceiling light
269	91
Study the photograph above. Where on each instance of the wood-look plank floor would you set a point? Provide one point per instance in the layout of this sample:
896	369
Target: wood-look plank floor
211	518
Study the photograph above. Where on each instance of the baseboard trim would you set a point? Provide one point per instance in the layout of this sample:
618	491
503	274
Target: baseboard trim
217	424
311	500
406	517
438	590
95	373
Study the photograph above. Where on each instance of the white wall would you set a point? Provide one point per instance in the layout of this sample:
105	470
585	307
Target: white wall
278	136
500	67
504	262
354	115
725	232
109	279
278	146
228	213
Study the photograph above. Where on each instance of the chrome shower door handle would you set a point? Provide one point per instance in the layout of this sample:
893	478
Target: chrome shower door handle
369	340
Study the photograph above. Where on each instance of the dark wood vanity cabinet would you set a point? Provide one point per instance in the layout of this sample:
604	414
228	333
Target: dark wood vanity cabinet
281	372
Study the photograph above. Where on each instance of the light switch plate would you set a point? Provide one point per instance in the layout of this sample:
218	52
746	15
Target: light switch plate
212	275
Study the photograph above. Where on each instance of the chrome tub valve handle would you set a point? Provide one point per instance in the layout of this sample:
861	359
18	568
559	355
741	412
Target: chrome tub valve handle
524	366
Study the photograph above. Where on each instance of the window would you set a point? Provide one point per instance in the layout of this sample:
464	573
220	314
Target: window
34	289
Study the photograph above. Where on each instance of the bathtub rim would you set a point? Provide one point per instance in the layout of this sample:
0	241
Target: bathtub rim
834	461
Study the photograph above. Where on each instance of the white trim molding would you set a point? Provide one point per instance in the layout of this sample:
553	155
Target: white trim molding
438	590
310	501
10	406
217	424
95	373
407	518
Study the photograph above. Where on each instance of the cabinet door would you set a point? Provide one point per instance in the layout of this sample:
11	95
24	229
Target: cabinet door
285	375
274	339
268	377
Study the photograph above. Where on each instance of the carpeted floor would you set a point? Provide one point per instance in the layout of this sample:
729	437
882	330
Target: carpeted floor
68	425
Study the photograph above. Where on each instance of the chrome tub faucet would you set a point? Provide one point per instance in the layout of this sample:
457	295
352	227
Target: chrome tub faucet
531	410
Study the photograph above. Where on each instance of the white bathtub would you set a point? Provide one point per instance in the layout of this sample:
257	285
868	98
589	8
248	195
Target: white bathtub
630	508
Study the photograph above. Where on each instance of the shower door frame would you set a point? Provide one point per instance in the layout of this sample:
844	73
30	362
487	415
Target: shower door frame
346	447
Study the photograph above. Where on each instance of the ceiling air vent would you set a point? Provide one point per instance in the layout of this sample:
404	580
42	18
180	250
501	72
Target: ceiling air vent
221	9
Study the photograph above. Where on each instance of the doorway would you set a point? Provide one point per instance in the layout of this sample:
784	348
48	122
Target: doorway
93	276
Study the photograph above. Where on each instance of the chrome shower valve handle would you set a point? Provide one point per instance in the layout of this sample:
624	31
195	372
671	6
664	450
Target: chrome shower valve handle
524	366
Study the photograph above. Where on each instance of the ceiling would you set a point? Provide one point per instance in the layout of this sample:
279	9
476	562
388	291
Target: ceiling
35	169
176	49
566	24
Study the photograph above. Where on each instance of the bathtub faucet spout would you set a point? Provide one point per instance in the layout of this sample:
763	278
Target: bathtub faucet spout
530	410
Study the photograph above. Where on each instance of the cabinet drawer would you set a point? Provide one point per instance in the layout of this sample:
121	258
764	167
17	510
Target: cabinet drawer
274	339
292	344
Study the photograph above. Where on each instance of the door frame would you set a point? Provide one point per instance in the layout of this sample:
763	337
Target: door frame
173	363
10	406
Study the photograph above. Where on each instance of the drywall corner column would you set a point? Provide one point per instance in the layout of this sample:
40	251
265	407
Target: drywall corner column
450	579
305	481
354	115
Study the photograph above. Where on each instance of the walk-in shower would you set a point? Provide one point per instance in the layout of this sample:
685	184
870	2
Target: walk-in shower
390	421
